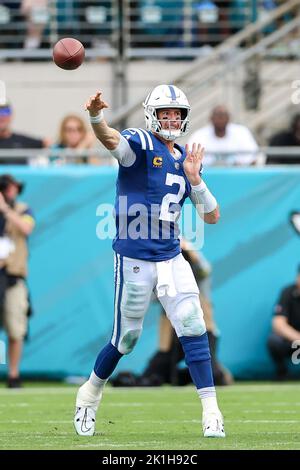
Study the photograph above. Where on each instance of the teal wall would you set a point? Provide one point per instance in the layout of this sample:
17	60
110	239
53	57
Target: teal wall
253	250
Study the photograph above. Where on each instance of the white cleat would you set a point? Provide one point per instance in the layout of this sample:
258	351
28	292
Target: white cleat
85	421
213	425
86	408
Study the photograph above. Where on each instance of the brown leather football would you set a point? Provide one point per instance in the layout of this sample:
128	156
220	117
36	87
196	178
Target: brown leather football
68	53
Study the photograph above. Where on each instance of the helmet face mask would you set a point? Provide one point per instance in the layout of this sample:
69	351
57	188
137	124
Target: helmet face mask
166	97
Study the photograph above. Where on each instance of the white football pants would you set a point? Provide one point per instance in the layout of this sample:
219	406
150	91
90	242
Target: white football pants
173	283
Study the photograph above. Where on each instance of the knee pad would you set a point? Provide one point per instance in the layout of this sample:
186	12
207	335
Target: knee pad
135	299
134	303
129	340
190	318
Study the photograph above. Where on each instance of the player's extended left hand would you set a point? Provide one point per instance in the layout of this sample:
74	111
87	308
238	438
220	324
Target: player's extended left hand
192	163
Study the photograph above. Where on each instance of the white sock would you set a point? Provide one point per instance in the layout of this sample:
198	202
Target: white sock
90	393
208	399
98	383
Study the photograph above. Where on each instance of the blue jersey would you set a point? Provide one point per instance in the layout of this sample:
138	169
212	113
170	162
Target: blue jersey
150	195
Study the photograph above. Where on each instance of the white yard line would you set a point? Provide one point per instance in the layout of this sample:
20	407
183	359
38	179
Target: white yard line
253	411
16	421
70	390
194	421
256	421
38	391
15	405
130	444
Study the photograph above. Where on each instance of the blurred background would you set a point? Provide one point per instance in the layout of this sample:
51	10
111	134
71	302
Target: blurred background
238	63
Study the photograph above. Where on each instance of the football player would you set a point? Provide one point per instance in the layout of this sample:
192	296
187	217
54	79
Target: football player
155	177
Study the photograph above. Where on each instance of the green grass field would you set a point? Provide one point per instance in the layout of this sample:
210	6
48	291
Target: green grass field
257	416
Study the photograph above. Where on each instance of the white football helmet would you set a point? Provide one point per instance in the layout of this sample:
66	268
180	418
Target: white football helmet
166	96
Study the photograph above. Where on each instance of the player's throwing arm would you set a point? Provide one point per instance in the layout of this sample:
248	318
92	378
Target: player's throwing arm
108	136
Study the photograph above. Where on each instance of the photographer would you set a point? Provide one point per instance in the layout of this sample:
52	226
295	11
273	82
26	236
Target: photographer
285	327
16	224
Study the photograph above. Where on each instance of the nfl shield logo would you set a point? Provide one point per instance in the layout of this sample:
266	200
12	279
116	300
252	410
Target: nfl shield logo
136	269
177	166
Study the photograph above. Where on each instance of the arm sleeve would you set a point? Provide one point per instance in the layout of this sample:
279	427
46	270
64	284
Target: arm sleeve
124	153
203	199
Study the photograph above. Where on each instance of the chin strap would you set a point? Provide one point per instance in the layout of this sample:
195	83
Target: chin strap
167	135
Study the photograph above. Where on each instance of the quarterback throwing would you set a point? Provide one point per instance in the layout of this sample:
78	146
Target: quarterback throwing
156	175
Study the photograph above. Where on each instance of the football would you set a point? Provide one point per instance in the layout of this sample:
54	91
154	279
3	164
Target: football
68	53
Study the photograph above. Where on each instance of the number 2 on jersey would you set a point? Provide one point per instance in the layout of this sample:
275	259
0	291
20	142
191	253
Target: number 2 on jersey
171	198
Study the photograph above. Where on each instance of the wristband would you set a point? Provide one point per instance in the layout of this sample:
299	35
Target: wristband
200	194
200	187
97	119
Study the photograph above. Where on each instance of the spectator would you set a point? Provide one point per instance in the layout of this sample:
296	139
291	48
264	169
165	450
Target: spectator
286	327
211	23
159	23
73	135
16	224
9	140
36	15
286	138
96	23
223	136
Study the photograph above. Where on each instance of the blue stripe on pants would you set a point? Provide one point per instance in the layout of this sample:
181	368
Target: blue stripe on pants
115	290
119	303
